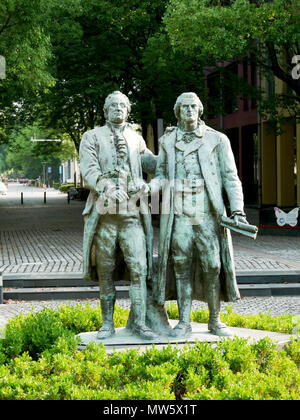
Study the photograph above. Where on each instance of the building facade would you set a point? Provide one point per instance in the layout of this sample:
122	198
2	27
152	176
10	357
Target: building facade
268	163
70	170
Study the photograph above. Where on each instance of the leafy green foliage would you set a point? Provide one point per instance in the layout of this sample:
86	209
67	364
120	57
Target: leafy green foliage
64	188
63	58
24	44
3	154
26	157
267	32
26	48
115	45
284	323
99	52
39	360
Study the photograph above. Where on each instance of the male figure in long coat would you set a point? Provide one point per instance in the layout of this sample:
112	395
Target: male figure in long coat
195	252
110	163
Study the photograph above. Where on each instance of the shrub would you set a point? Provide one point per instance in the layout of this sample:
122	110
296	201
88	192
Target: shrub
284	323
33	333
39	360
64	187
41	331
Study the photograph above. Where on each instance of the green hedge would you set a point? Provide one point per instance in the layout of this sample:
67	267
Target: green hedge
39	360
64	187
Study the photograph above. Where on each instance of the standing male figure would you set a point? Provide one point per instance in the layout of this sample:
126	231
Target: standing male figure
110	163
198	162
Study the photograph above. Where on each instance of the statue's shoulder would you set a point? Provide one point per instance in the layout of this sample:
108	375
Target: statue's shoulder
134	127
92	138
135	130
217	134
95	131
211	130
169	131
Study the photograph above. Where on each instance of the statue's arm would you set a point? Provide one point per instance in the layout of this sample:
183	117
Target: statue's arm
89	164
149	160
160	172
230	179
90	168
143	147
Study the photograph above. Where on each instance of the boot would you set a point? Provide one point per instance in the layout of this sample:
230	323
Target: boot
107	309
138	296
215	326
184	302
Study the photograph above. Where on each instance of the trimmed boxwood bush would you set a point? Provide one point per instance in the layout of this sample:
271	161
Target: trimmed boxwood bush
64	187
39	360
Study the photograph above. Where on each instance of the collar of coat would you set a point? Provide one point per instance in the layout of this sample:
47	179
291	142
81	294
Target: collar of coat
205	140
105	132
116	127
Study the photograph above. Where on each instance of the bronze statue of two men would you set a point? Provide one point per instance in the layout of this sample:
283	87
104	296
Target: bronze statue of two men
194	166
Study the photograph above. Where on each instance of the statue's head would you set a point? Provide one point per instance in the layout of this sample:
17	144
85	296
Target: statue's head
116	107
188	107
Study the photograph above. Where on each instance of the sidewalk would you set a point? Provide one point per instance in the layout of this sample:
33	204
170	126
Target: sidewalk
47	238
38	239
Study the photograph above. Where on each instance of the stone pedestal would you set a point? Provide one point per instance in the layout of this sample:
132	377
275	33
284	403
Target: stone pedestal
123	339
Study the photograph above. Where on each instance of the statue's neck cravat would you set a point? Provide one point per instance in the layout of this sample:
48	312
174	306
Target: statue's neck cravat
120	143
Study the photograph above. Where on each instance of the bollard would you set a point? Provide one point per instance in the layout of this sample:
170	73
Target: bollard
22	201
1	289
45	197
68	197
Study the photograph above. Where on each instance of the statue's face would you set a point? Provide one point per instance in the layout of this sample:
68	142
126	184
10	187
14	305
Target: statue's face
117	110
189	110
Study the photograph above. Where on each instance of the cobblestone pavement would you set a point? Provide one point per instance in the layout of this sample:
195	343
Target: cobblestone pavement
249	305
41	250
37	237
47	238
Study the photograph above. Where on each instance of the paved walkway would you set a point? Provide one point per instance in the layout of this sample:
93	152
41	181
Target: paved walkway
37	237
47	238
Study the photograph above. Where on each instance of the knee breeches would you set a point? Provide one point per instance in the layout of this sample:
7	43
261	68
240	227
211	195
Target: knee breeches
202	239
127	233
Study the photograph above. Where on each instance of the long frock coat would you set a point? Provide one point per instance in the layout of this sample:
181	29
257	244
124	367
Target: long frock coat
98	157
219	172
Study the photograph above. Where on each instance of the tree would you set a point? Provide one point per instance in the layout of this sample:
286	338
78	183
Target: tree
266	32
25	44
115	45
168	73
3	154
26	50
101	51
26	156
